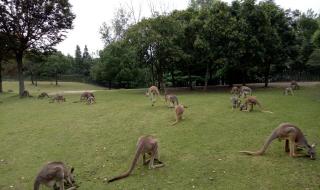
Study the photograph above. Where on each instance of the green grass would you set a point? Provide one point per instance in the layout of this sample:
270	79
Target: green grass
201	152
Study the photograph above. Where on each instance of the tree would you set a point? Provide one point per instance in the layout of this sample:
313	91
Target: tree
4	50
34	63
77	60
120	23
316	38
34	24
117	64
56	64
306	30
86	62
155	42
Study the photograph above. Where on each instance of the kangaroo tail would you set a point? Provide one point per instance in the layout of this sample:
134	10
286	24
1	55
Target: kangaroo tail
36	185
126	174
266	111
264	147
174	123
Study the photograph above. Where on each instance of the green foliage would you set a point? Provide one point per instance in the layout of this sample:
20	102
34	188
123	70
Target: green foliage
77	60
216	42
55	65
117	64
34	25
316	38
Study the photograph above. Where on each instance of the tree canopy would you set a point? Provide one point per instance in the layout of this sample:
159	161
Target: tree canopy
34	25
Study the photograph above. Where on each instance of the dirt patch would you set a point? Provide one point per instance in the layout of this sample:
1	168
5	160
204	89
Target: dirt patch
251	85
73	92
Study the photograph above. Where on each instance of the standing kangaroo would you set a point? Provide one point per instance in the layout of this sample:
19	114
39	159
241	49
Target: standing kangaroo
293	136
152	92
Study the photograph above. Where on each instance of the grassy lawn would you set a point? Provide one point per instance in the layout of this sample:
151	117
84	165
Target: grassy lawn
201	152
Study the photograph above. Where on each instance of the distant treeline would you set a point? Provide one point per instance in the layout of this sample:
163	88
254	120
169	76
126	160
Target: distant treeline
209	43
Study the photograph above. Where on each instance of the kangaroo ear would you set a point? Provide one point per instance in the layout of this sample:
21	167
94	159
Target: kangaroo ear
72	170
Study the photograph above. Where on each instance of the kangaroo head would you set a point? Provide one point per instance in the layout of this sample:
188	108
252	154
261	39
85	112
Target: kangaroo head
70	177
312	152
243	107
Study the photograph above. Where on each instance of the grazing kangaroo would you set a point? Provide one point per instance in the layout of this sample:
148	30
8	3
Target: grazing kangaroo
179	109
59	98
288	91
43	95
145	145
86	95
55	173
152	92
293	136
172	99
26	94
91	100
251	101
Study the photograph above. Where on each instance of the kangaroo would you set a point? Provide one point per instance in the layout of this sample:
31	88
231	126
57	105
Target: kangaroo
294	85
145	145
172	99
43	95
235	90
91	100
59	98
251	101
179	109
26	93
288	91
293	136
244	91
86	95
235	101
55	173
152	92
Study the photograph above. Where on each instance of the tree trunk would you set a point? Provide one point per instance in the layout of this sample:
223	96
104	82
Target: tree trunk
19	56
266	76
206	78
189	79
172	78
32	81
36	79
1	90
56	79
161	84
243	77
152	74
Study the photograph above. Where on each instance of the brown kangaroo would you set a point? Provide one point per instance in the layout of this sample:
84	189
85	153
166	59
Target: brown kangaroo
52	173
293	136
145	145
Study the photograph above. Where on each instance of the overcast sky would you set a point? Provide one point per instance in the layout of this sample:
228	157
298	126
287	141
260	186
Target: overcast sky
91	14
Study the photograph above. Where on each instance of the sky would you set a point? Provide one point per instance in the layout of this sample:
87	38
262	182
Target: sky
91	14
